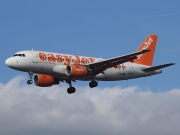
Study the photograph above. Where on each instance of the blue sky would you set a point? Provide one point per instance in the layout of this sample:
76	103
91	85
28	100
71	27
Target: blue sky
93	28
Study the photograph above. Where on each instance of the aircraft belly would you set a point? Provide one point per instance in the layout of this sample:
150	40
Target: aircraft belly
113	74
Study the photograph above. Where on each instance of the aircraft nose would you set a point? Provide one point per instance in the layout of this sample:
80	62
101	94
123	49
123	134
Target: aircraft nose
8	62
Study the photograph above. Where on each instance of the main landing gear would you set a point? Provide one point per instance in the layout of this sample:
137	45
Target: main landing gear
71	89
30	76
93	84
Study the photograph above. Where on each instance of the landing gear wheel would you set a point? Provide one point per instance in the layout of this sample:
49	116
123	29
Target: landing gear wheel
30	76
93	84
29	82
71	90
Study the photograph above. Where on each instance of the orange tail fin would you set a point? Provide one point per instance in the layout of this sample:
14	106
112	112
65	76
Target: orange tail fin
149	44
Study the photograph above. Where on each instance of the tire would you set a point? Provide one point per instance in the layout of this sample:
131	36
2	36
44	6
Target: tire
91	85
29	82
71	90
95	84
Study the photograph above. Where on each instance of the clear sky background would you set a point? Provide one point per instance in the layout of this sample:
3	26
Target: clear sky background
97	28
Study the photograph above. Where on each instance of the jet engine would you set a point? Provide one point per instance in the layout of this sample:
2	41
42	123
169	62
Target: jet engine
44	80
76	71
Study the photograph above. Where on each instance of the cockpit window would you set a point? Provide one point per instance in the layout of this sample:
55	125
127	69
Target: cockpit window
15	55
21	55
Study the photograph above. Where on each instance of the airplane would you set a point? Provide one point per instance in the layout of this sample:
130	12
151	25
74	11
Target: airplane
53	68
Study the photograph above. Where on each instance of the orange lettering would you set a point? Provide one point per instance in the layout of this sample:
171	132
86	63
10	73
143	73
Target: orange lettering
84	60
77	61
68	59
74	61
51	57
91	60
42	56
59	58
123	66
119	66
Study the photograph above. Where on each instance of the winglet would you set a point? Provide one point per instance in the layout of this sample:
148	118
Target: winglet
148	44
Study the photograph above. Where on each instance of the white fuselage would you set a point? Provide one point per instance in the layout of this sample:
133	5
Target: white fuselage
54	64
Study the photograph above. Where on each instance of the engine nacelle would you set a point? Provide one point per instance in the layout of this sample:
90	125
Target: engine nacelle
60	69
76	71
44	80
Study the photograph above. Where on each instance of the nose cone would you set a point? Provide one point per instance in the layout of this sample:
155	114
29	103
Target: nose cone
8	62
15	63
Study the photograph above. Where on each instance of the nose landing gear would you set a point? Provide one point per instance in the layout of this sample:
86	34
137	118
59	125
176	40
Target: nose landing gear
30	81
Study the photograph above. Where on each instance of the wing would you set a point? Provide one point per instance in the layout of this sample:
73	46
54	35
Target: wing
113	62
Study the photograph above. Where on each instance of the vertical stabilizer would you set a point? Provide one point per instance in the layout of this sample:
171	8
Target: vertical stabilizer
149	44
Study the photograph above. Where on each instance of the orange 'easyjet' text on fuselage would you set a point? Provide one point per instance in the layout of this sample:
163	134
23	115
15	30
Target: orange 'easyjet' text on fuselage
64	58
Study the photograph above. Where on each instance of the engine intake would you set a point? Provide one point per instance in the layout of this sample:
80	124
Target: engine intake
76	71
45	80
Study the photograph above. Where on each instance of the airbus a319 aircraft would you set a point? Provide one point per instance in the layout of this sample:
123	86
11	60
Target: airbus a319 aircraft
53	68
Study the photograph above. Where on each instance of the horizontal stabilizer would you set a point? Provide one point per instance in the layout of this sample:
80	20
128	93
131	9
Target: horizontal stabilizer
157	67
